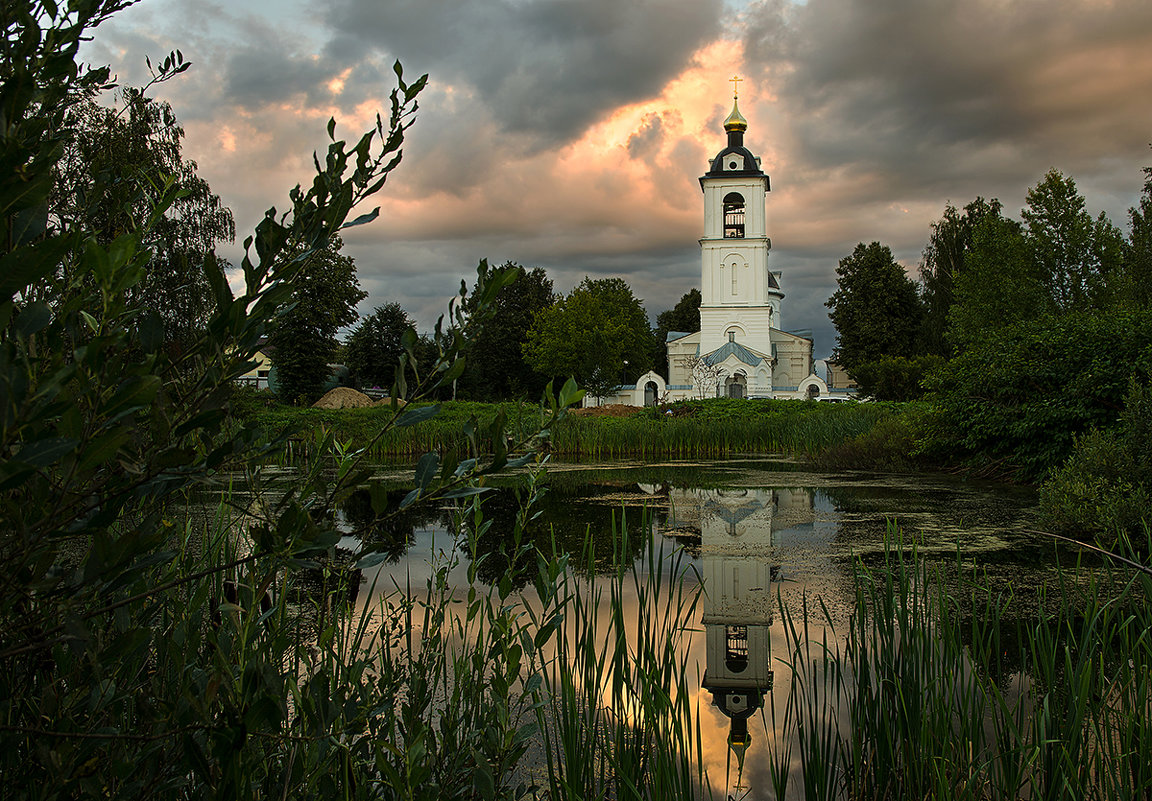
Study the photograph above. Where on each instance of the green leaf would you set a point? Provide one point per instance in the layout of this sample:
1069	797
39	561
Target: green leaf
362	219
33	318
426	469
46	451
370	560
411	417
570	393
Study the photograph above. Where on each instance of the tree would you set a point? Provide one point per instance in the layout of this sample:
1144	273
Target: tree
1074	254
593	334
944	256
705	376
117	679
1134	287
683	317
1000	285
325	292
875	308
496	368
896	378
376	344
141	142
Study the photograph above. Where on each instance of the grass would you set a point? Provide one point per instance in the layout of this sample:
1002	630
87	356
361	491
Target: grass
694	429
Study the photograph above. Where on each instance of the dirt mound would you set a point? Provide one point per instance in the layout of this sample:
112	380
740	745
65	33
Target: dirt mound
343	398
610	410
400	404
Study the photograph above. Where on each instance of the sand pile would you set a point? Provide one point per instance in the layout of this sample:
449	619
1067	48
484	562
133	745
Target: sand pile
343	398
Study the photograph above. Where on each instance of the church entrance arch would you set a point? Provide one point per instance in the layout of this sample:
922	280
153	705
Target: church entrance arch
736	386
650	393
813	391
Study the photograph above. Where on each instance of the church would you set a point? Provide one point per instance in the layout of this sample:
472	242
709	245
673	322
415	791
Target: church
742	349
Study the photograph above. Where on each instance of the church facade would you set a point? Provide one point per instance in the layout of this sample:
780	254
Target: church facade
741	349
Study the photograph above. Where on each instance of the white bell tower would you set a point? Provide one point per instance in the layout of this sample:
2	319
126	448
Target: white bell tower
740	295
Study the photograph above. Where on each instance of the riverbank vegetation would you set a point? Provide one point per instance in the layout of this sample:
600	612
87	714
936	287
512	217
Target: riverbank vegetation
686	430
943	687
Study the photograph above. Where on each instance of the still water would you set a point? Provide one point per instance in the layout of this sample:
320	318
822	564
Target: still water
758	533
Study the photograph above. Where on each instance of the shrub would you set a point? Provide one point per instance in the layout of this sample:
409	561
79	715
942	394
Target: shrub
1105	487
1015	403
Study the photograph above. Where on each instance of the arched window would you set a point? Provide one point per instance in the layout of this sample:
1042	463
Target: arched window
733	216
736	648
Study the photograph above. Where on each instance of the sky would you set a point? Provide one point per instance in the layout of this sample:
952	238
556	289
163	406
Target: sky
570	134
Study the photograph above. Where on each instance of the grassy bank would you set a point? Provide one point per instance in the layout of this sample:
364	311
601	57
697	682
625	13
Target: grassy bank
694	429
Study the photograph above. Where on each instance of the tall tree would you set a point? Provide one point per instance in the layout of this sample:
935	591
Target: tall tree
140	143
1074	254
375	345
948	247
303	340
598	334
875	308
1135	286
496	366
1000	285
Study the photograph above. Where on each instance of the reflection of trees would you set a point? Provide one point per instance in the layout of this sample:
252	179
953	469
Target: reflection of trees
393	533
569	522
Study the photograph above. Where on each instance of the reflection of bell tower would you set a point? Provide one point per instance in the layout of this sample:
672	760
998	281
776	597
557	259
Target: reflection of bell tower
736	542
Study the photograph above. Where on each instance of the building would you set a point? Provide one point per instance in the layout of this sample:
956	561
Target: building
741	349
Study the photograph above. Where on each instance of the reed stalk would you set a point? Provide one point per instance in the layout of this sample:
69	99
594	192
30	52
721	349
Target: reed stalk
926	696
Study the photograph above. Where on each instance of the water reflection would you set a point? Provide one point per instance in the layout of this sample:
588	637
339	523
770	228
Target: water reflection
755	535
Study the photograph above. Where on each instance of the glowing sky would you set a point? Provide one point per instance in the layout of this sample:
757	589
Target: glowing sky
569	134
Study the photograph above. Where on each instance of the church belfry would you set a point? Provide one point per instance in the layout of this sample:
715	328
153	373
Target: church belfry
740	296
741	349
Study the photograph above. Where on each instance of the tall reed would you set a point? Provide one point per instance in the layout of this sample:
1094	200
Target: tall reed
934	692
616	715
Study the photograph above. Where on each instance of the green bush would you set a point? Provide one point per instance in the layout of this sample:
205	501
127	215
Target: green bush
895	378
890	445
1105	487
1014	404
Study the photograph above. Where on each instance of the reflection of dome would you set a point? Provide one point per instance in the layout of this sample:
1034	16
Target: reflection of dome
733	515
739	492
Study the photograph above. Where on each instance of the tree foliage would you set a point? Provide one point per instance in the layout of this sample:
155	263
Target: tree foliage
896	378
1015	401
684	317
497	368
375	346
1074	254
875	308
949	246
303	342
1134	285
590	334
1000	286
141	143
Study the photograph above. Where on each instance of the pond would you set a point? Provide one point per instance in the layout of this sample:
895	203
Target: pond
755	534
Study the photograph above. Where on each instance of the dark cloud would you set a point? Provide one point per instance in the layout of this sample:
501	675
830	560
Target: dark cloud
934	94
548	68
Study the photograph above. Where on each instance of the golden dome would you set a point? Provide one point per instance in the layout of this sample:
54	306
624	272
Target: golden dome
735	121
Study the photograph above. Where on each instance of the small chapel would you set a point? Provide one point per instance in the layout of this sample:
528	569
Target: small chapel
742	349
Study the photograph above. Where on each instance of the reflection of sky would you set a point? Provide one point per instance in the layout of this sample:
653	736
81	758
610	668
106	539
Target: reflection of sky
808	537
